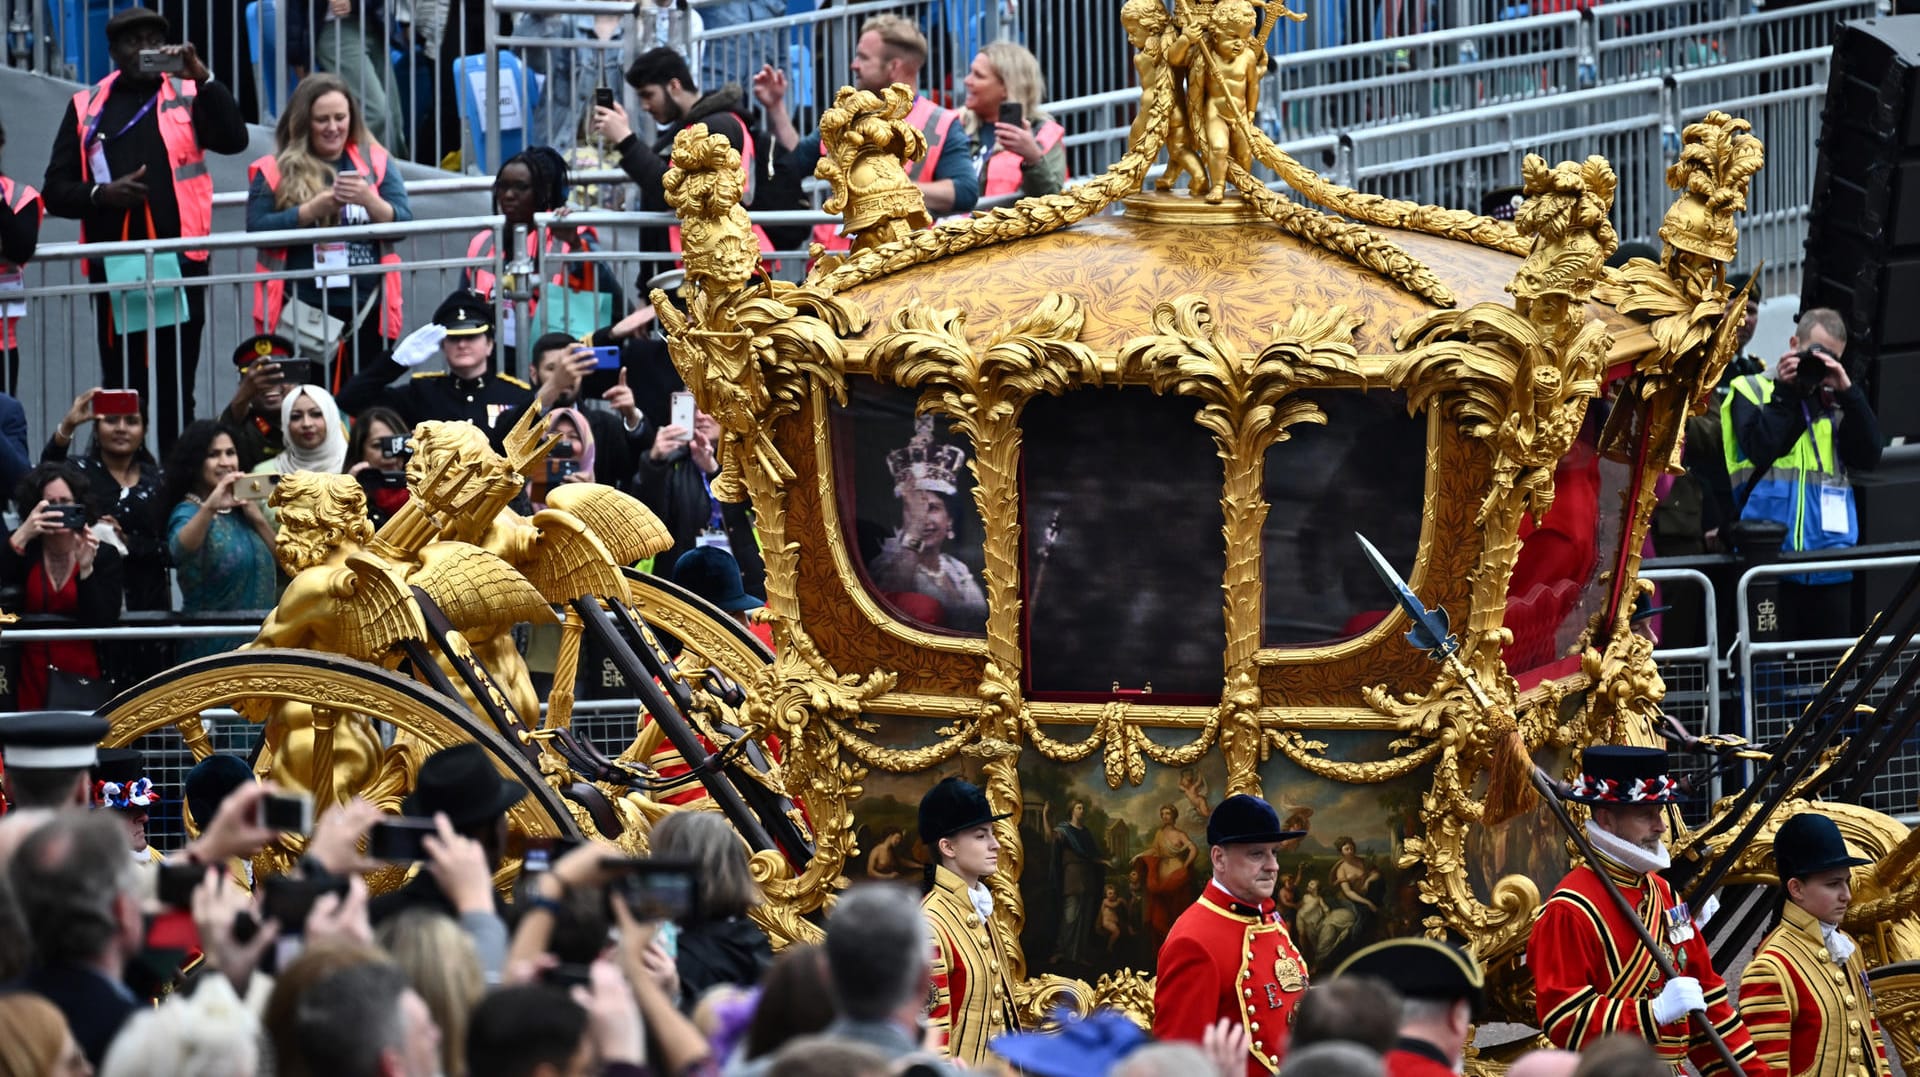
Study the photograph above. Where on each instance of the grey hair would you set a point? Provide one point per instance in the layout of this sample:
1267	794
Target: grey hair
1332	1058
727	888
346	1021
1163	1060
877	947
66	876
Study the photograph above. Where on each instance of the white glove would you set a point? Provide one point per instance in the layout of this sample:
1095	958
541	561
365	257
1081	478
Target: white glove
420	345
1680	997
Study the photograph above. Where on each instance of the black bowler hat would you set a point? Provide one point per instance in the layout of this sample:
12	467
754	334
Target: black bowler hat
133	18
263	346
464	313
952	806
1616	774
462	782
51	740
1245	820
1421	968
713	574
1809	844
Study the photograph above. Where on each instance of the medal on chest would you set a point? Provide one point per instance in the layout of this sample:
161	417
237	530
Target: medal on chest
1679	924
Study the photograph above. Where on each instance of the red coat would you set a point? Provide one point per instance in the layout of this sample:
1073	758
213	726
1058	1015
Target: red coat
1810	1017
1220	962
1592	976
1416	1058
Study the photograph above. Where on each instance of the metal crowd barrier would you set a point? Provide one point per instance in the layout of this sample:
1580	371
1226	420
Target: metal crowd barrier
1777	678
1692	675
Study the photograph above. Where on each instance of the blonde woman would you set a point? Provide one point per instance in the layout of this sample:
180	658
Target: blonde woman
35	1041
1027	158
442	965
327	172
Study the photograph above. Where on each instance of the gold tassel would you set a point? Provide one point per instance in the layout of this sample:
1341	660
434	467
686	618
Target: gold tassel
1510	791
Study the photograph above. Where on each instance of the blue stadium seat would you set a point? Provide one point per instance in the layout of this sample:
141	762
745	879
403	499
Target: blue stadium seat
263	47
800	54
467	70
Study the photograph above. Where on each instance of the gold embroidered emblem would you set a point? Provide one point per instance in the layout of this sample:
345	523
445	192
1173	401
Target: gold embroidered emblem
1291	976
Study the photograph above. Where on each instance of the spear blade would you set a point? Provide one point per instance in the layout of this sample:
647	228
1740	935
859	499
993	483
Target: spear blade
1430	631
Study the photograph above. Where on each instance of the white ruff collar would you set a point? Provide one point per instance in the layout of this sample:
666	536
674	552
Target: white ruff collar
1627	855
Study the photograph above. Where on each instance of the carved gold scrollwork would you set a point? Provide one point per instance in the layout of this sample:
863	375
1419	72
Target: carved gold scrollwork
982	391
1247	404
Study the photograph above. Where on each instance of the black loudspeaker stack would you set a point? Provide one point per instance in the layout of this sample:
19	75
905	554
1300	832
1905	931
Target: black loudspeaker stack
1863	234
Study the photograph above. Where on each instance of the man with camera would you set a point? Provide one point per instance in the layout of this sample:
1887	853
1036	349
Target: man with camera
1794	438
128	168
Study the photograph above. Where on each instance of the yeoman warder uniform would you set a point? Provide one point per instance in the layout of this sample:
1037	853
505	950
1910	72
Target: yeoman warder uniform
1592	976
972	998
1421	968
1225	958
1804	996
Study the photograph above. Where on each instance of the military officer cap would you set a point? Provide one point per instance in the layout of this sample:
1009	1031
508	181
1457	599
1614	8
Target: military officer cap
465	313
1809	844
263	346
952	806
1246	820
1421	968
50	740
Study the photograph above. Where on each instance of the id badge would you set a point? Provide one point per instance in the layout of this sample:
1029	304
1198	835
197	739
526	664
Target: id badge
13	293
330	260
1833	510
97	161
717	539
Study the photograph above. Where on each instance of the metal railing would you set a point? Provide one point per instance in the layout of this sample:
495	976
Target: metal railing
1692	675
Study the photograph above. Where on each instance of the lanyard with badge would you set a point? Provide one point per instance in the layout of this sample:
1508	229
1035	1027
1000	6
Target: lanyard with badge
96	142
715	533
1832	501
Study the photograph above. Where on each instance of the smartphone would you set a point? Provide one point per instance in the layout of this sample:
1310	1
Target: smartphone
289	813
299	372
160	62
606	358
289	899
393	447
558	470
657	889
603	97
564	976
540	853
399	839
254	487
1013	112
116	402
383	480
177	883
683	411
73	517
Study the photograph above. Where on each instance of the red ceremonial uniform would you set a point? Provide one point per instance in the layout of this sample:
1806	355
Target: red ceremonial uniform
1592	976
1810	1016
1417	1058
1227	959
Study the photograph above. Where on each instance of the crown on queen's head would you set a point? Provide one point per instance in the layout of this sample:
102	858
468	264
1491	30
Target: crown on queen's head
924	464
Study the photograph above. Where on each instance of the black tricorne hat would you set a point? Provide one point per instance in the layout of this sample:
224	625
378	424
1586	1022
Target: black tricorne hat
1808	844
1244	820
1421	968
952	806
1614	774
134	17
464	313
51	740
462	782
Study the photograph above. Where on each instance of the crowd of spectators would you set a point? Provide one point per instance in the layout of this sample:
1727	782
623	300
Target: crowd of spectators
568	970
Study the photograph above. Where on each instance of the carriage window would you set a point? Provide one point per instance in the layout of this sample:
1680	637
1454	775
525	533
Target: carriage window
1121	522
907	496
1364	471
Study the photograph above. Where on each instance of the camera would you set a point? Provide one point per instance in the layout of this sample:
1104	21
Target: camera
161	62
401	840
563	449
1812	371
395	446
289	898
383	480
289	813
73	516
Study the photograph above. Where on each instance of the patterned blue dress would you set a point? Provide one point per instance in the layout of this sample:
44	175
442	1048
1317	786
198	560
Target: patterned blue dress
232	570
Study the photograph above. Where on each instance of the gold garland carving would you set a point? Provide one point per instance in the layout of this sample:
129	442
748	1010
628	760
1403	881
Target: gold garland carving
981	392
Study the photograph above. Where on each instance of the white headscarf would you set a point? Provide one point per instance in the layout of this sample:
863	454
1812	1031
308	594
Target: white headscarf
331	456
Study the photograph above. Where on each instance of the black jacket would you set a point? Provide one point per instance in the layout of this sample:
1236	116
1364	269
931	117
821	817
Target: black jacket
677	493
100	593
493	402
95	1007
647	165
715	952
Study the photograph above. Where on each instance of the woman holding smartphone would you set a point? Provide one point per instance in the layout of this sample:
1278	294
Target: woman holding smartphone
1018	149
61	567
328	172
222	545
